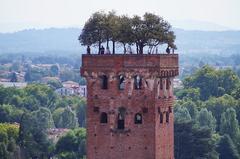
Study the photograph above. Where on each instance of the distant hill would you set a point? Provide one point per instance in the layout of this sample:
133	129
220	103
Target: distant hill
46	40
205	42
55	40
198	25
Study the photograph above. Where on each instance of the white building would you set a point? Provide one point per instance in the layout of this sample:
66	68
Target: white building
70	84
72	88
177	83
14	84
65	91
83	90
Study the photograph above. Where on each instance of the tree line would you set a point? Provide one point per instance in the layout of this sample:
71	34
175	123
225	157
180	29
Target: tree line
150	30
207	115
28	114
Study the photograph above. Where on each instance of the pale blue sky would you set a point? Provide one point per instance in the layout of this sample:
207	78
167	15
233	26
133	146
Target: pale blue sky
24	14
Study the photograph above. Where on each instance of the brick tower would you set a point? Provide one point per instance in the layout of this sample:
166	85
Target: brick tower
130	105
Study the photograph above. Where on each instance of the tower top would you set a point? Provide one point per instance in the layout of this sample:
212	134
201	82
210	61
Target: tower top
161	65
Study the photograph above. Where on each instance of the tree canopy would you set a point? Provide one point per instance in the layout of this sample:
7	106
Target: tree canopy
211	97
72	145
227	149
150	30
191	142
212	82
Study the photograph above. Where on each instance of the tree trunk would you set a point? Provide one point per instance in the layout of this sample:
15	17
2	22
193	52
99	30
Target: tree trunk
151	49
137	48
141	48
99	47
113	49
107	43
124	47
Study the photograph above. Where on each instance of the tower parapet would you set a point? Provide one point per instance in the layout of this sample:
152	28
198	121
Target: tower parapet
130	105
161	65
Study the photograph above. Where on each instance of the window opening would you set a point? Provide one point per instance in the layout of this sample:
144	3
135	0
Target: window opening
169	109
104	82
138	118
121	82
168	83
161	84
138	82
161	117
167	117
121	118
104	118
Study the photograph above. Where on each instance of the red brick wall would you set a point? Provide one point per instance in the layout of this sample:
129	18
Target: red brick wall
149	140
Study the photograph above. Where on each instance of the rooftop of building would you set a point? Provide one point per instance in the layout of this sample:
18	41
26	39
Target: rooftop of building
14	84
128	60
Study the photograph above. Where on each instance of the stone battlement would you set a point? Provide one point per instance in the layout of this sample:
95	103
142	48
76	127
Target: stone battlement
163	64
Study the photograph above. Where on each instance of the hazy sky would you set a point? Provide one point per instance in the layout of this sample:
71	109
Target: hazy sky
21	14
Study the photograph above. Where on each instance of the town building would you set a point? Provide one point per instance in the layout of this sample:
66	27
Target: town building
72	88
83	90
65	91
14	84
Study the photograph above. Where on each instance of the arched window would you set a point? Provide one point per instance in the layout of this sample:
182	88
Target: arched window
121	118
121	122
168	83
138	118
104	82
161	118
104	117
169	109
167	117
121	82
161	83
138	82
